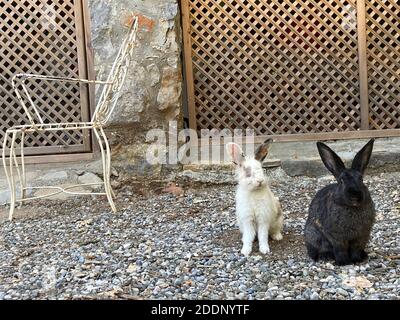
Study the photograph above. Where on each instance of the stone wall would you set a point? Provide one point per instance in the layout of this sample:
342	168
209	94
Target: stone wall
152	95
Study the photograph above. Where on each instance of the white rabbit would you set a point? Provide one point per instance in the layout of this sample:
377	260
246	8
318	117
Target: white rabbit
258	211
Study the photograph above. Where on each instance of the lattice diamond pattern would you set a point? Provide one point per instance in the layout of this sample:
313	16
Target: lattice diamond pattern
383	42
40	37
284	66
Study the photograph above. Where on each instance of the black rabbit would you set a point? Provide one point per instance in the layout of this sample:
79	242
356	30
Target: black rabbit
341	215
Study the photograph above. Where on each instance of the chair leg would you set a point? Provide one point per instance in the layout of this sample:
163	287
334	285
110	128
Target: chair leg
20	177
23	178
5	165
4	158
12	181
108	161
106	176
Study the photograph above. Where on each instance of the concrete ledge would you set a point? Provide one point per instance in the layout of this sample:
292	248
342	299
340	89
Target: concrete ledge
385	156
55	174
302	158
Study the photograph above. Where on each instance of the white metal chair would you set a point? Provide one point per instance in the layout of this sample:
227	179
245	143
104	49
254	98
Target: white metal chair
104	108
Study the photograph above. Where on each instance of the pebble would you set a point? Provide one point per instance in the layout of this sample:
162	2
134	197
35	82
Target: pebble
342	292
162	247
314	296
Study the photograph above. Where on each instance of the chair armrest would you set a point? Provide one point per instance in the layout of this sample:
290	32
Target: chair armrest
24	76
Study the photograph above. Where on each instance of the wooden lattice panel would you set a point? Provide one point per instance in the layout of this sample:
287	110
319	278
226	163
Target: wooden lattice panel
383	44
279	67
41	37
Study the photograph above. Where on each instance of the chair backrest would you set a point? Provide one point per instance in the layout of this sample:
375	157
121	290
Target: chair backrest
110	94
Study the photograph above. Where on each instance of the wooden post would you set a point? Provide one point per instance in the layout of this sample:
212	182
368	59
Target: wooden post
187	47
84	67
362	61
91	74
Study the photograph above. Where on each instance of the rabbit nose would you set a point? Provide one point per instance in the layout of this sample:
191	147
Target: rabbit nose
355	194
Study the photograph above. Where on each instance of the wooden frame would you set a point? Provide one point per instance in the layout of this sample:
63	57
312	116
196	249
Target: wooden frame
84	58
187	50
209	29
82	34
362	134
59	158
91	74
363	67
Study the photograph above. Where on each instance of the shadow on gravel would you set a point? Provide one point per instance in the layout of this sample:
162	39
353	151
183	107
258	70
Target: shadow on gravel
292	244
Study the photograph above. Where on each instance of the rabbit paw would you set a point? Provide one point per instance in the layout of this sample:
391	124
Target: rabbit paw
358	256
277	236
342	261
264	249
246	251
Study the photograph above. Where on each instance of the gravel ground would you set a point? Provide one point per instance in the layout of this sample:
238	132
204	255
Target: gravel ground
162	246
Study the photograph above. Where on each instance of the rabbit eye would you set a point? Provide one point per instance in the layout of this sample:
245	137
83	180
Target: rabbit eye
247	172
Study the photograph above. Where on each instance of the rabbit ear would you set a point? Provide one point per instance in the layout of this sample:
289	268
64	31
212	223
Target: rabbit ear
235	153
330	159
362	157
262	150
